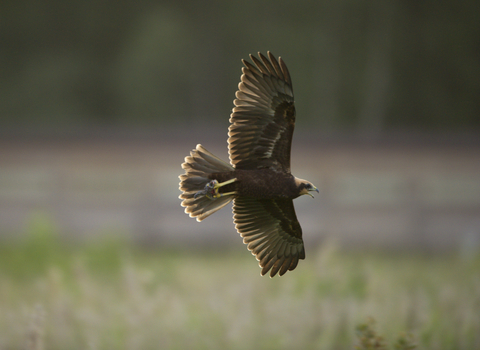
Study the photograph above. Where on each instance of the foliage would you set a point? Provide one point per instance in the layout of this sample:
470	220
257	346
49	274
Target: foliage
362	65
116	295
368	339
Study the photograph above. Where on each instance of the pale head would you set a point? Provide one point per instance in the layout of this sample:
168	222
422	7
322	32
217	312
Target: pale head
305	187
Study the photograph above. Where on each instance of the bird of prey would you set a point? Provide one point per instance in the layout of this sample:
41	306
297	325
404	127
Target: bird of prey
258	178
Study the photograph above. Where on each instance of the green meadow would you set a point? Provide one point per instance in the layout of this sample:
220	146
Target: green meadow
112	294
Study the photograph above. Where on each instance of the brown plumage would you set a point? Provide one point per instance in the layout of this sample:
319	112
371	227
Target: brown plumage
258	178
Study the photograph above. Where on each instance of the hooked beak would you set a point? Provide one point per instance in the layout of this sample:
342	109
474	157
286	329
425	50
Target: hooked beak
313	189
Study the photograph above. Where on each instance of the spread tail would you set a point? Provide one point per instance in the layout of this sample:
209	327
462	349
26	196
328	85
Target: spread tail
194	183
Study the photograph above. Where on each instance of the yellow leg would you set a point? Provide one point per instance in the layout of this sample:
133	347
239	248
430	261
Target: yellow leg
218	185
218	195
211	189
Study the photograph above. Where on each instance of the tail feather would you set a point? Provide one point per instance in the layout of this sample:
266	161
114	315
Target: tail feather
198	166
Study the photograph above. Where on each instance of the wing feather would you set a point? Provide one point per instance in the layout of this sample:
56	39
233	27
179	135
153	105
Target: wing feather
263	119
278	264
271	231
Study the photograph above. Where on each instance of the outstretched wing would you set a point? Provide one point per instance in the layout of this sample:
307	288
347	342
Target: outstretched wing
271	231
263	119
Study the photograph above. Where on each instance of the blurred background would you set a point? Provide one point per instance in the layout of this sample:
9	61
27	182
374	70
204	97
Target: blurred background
100	101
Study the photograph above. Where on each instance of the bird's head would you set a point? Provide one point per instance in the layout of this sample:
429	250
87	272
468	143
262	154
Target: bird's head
305	187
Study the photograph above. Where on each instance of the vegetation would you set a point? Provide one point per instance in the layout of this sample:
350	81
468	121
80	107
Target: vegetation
368	339
365	65
113	295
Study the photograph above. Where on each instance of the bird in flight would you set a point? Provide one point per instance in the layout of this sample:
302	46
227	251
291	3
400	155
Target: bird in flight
258	178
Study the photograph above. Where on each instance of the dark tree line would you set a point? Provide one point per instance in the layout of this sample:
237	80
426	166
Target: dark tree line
356	65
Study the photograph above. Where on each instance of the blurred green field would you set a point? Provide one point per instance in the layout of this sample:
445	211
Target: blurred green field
114	295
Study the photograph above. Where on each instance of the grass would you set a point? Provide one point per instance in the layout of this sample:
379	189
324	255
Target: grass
112	295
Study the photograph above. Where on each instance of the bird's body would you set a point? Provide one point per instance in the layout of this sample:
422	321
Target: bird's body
258	178
261	183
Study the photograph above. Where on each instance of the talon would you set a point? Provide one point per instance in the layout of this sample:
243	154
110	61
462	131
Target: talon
199	193
211	189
